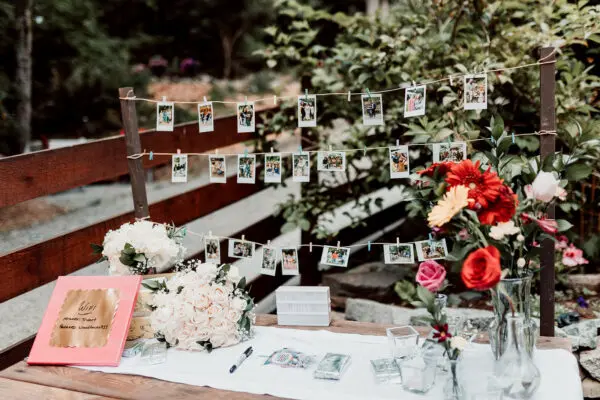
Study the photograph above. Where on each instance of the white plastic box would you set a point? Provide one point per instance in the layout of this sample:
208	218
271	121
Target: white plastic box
303	305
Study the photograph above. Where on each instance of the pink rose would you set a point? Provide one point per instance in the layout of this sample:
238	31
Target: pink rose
431	275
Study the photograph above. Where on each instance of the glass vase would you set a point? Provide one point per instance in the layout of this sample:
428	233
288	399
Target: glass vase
453	388
518	292
515	373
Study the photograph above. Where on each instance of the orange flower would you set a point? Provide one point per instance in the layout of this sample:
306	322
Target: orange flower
483	186
481	269
502	209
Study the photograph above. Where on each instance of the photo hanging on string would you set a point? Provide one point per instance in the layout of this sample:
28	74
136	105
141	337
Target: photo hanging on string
401	253
475	92
165	116
453	152
179	168
431	250
289	261
205	117
335	256
399	162
273	168
372	109
307	111
217	166
212	250
240	248
333	161
245	117
269	261
414	101
301	167
246	171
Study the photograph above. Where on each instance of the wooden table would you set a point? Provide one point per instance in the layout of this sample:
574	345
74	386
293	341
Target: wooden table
22	381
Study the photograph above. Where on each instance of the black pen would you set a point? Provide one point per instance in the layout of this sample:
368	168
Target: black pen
240	360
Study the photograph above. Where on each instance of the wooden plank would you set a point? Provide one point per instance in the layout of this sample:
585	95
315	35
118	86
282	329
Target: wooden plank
40	173
33	266
547	149
135	166
128	386
15	353
11	389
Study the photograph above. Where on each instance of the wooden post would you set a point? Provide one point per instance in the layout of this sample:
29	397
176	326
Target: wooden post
547	149
136	167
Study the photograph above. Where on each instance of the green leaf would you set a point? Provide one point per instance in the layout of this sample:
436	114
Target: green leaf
425	295
140	257
96	248
577	172
563	225
242	283
128	249
126	260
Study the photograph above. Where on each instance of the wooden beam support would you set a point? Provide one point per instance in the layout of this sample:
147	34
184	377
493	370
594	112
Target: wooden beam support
547	149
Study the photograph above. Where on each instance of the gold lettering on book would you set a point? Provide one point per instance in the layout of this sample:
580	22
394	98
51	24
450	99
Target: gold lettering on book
85	318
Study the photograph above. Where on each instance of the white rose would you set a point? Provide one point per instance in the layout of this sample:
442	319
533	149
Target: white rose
218	339
503	229
233	316
215	310
458	342
544	187
220	294
200	319
521	262
238	304
201	301
202	333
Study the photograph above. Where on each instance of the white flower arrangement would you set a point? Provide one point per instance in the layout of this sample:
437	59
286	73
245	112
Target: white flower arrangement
142	247
202	307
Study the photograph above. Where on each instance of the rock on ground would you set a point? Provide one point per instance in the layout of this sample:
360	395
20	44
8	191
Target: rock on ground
590	361
581	281
591	388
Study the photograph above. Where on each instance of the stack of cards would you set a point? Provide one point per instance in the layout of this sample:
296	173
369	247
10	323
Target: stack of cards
332	366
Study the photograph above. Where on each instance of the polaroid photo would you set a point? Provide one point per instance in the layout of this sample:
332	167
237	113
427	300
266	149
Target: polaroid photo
399	162
414	101
245	117
246	168
401	253
212	250
335	256
332	366
455	152
240	248
307	111
372	109
165	116
334	161
217	166
269	261
205	117
273	168
301	167
435	250
289	261
475	88
179	168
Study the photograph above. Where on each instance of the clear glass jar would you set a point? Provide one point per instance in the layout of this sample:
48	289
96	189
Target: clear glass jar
453	388
418	373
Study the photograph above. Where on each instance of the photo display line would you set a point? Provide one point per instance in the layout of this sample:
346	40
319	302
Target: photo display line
310	245
302	151
400	87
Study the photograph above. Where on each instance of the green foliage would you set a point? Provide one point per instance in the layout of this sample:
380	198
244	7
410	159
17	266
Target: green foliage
406	290
430	40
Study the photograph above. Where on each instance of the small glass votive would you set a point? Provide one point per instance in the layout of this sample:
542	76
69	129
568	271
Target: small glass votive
154	352
403	341
418	374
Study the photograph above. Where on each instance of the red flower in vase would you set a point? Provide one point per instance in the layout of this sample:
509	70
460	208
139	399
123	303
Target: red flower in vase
484	187
547	225
501	209
441	333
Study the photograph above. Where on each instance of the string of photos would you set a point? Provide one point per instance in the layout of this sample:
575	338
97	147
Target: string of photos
335	256
327	161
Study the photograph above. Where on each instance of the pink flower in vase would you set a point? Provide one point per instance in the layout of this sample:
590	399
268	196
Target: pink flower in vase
547	225
431	275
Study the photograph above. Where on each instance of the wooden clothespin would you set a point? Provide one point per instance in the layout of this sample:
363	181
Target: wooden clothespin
310	247
338	243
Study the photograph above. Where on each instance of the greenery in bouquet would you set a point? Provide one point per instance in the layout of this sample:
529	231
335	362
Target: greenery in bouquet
142	247
202	307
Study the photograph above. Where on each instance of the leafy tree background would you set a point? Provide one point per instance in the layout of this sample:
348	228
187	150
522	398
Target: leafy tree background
419	41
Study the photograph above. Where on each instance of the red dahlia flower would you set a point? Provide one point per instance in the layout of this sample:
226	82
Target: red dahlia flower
484	187
501	209
441	167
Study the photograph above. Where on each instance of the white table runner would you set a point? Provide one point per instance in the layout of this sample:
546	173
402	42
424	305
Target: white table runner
560	374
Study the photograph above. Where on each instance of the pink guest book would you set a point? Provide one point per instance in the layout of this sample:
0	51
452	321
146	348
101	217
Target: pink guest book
87	321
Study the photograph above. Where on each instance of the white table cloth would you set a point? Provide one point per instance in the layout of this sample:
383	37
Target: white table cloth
559	370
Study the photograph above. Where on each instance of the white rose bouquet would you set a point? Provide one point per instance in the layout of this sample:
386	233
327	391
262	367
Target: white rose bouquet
141	248
202	307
